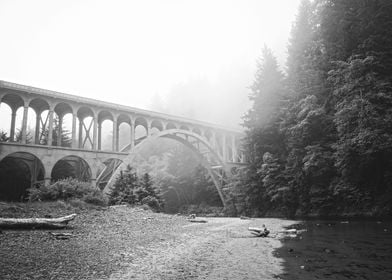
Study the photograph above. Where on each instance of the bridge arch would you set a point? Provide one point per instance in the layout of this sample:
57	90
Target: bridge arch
71	166
197	144
18	172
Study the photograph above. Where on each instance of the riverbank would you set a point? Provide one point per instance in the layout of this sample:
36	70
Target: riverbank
131	243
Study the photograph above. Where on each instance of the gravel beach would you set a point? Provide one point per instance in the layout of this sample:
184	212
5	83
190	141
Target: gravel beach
131	243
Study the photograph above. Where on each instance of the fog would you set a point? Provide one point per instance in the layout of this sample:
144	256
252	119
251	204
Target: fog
189	58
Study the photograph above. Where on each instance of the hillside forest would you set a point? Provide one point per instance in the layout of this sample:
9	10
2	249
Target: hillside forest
319	133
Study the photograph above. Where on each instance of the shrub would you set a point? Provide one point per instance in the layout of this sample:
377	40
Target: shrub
67	189
152	202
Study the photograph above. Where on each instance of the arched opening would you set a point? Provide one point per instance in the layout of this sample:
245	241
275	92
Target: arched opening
14	102
5	124
124	131
18	172
85	128
171	125
62	125
106	131
71	167
196	130
184	127
156	127
140	129
124	135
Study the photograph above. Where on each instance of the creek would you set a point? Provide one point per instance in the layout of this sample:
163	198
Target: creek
338	250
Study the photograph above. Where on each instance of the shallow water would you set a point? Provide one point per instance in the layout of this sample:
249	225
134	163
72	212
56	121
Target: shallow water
338	250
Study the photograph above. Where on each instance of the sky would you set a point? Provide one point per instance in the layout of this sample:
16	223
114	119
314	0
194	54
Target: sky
192	58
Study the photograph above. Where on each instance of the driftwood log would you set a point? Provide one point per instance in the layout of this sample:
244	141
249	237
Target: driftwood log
35	223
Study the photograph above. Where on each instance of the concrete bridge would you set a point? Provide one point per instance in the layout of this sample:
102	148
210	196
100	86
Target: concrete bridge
46	157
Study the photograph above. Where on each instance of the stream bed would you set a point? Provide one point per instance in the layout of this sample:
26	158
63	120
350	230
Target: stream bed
338	250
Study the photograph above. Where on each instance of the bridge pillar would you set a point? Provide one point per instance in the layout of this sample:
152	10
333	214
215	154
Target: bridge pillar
74	142
115	136
50	135
24	123
132	134
95	132
149	128
80	133
37	127
59	130
12	129
99	136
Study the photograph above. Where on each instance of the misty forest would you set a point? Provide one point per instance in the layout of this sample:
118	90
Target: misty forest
319	134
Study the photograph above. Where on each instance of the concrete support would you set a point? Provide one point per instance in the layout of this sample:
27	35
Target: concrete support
50	134
80	133
132	134
99	136
59	130
93	182
95	132
115	136
24	124
149	128
74	140
37	127
12	129
47	181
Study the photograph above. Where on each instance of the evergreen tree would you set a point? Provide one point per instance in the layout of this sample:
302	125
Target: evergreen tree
262	122
123	190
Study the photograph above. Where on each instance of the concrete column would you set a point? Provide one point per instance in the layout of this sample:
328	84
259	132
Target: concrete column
115	136
12	130
132	134
234	148
59	130
95	132
99	136
118	138
47	181
50	135
93	182
24	124
74	142
37	127
149	128
80	133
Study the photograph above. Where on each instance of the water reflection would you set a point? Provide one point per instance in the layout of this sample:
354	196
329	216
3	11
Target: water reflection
338	250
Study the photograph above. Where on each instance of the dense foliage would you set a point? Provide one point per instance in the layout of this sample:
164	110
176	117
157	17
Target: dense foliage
129	188
68	189
319	138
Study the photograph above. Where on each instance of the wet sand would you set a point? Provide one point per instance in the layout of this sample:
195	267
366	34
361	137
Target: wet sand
223	248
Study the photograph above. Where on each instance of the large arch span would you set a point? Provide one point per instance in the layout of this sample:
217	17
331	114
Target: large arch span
211	160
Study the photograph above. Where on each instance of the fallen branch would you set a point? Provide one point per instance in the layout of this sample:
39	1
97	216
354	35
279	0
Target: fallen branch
197	221
35	223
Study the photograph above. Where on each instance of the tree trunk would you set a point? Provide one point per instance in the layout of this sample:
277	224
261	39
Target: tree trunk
34	223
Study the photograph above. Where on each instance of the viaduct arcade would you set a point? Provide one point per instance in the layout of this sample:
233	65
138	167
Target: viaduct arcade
42	152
